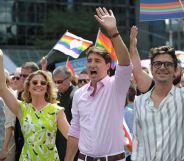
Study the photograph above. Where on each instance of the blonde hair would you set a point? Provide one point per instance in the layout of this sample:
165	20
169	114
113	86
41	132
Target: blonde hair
51	94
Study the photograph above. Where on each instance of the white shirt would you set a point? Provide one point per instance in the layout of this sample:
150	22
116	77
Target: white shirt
158	133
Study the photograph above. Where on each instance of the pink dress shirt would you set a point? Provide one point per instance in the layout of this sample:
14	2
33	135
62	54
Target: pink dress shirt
97	119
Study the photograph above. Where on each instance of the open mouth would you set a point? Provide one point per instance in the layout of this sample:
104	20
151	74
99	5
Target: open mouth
93	72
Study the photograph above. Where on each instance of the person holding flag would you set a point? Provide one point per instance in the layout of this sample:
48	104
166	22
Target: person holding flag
97	106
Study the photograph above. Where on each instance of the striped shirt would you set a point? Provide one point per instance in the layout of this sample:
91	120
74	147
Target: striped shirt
158	133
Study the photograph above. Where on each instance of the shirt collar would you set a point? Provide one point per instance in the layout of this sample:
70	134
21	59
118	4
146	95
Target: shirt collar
103	81
148	94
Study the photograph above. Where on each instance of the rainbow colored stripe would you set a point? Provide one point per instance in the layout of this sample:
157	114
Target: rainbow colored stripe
180	57
161	9
69	66
72	45
104	42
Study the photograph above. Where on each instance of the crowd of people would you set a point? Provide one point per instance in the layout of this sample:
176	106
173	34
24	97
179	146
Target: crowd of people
52	118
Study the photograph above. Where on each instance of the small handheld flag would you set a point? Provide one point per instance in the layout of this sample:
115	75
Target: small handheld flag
69	66
127	137
180	57
104	42
72	45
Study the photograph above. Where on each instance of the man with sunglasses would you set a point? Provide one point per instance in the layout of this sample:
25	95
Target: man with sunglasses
158	116
62	78
83	78
26	69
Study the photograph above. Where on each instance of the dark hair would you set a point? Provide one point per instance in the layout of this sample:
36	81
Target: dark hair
100	51
30	65
163	50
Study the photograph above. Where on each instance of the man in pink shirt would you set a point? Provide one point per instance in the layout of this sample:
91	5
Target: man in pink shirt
97	106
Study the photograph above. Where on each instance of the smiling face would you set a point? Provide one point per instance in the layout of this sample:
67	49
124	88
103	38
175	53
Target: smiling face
163	69
97	67
38	86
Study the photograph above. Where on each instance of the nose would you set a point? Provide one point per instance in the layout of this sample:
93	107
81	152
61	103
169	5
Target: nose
162	66
92	63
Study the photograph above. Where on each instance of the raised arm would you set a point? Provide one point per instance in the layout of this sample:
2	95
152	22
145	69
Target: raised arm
44	63
142	79
108	21
6	94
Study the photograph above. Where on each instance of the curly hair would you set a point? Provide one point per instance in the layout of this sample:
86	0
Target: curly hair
51	94
163	50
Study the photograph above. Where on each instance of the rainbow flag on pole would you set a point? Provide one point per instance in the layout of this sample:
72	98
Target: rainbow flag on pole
161	9
127	137
180	57
104	42
72	45
69	66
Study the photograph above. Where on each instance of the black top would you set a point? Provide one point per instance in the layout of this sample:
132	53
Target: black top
65	100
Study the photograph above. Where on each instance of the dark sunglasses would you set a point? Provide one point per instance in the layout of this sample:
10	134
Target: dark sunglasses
35	82
83	80
60	81
24	75
167	64
15	78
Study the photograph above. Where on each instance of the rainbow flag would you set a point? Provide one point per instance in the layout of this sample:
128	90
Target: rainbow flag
161	9
104	42
69	66
72	45
180	57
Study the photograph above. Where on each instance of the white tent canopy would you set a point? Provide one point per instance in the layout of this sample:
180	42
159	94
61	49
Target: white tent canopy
9	64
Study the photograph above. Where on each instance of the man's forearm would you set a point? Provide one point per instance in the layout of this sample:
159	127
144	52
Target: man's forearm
72	147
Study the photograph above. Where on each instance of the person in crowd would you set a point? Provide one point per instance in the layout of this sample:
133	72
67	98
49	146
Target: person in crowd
83	78
128	113
2	122
62	78
38	113
143	80
97	107
8	142
14	78
158	114
182	80
26	69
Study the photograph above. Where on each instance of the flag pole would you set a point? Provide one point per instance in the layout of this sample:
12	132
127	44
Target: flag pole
181	5
97	35
50	52
67	60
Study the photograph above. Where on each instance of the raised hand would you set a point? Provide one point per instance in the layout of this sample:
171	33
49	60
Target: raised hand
44	63
106	19
133	37
1	53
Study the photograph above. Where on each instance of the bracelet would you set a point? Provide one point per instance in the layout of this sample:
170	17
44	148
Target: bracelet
114	35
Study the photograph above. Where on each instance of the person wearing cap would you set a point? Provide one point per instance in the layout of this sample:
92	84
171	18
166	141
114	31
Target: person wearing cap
97	107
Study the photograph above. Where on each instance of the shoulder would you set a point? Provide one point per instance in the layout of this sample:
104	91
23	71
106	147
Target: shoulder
55	108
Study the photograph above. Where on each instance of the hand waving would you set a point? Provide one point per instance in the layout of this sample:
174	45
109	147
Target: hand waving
106	19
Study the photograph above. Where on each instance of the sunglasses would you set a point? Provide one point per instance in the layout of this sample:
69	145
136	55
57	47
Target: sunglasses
24	75
15	78
35	82
60	81
83	80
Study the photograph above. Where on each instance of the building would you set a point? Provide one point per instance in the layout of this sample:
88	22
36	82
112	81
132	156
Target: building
23	22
